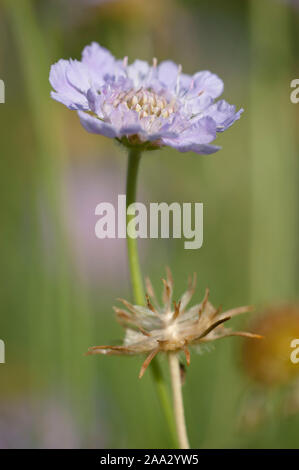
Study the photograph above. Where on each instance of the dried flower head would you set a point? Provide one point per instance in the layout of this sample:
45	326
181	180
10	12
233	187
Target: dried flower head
268	362
170	327
142	105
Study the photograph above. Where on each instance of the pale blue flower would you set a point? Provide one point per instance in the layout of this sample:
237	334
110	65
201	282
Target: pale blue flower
149	106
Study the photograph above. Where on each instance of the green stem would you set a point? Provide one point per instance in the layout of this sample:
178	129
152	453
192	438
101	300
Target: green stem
138	289
136	277
178	404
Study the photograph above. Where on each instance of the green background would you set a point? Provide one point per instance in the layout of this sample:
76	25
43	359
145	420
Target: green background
58	282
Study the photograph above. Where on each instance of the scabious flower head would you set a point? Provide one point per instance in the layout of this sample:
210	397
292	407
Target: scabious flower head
142	105
170	327
268	362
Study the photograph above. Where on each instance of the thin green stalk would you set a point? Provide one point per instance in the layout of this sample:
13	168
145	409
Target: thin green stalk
178	404
136	277
274	200
49	150
138	289
50	302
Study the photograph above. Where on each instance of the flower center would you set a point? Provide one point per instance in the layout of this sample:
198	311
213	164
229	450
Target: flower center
146	103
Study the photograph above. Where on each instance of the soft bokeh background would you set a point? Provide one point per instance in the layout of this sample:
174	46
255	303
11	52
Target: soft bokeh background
58	282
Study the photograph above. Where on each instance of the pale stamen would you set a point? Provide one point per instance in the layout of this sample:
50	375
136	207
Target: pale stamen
147	103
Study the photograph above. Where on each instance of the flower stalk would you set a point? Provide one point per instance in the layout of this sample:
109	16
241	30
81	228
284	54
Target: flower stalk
134	158
136	277
178	404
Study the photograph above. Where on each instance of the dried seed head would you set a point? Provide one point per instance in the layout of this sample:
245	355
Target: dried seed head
152	328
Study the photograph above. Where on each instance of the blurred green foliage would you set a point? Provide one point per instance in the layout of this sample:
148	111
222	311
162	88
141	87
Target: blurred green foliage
51	312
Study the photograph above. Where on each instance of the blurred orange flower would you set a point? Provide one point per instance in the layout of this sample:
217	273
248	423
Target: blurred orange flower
269	361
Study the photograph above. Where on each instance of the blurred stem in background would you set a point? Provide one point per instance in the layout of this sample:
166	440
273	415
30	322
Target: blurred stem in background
138	289
52	328
274	206
32	54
